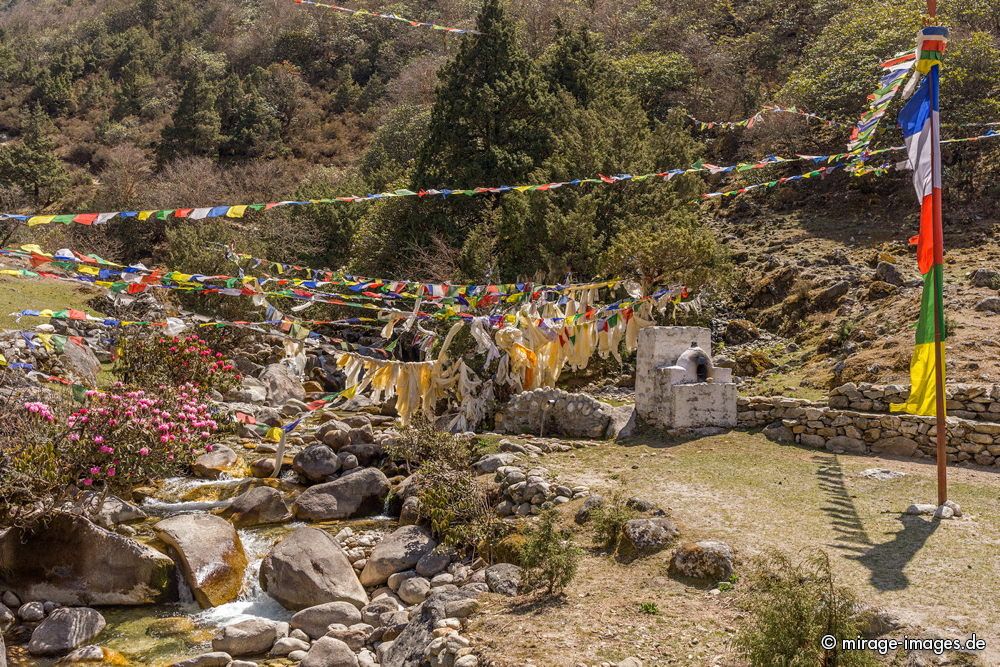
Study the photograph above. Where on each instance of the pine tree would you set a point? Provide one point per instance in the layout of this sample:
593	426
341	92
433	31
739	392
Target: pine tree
490	121
197	127
31	163
576	65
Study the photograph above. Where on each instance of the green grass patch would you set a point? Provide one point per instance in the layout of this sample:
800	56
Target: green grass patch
19	293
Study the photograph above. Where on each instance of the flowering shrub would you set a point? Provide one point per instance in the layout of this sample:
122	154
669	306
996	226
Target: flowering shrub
149	361
131	437
117	440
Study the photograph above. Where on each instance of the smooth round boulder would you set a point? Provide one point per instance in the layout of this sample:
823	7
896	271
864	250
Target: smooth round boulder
400	550
210	553
316	463
329	652
72	561
309	568
213	659
211	465
254	636
65	629
360	493
315	621
414	590
258	506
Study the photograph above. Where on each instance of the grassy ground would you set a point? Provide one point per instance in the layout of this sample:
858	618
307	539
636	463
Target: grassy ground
20	293
754	494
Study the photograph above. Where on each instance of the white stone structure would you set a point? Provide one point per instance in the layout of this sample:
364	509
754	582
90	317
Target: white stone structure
676	384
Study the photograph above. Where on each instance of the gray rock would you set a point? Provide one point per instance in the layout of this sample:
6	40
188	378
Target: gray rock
329	652
286	645
258	506
646	536
316	463
778	432
64	630
414	590
92	653
309	568
359	493
400	550
489	463
503	578
315	621
214	659
211	465
623	423
82	363
433	563
990	304
281	384
921	509
10	599
72	561
112	511
985	278
254	636
3	652
570	415
708	560
355	636
889	273
407	649
899	445
7	618
31	612
210	555
592	502
372	612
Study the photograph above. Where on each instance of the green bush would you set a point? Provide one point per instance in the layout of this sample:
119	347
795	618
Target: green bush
609	519
150	361
548	556
790	607
422	443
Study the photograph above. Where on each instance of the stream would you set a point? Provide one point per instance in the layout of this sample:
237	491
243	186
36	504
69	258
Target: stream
159	635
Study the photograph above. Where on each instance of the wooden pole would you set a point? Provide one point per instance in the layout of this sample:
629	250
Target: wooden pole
279	456
939	382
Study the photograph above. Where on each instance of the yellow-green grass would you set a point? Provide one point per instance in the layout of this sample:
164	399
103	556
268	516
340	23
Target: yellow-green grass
756	495
19	293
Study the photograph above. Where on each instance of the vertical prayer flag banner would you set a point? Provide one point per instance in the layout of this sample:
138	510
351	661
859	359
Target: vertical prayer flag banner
920	122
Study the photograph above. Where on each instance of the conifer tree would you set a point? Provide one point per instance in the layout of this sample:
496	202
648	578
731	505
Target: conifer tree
490	121
196	128
31	163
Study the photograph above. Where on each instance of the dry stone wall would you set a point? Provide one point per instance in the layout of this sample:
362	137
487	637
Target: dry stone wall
824	427
980	402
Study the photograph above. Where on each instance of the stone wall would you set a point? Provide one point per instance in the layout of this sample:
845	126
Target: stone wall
968	401
817	425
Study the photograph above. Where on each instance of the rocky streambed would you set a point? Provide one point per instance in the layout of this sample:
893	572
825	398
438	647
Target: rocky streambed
233	567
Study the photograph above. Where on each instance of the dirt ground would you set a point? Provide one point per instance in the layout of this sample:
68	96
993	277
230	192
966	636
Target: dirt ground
938	577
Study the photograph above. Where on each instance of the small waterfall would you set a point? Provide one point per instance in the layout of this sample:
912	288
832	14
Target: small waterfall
253	602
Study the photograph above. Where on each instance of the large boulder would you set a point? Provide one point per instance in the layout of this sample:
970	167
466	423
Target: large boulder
73	562
254	636
398	551
309	568
211	465
316	463
329	652
503	578
315	621
260	505
281	384
648	535
210	553
82	363
563	413
355	494
64	630
708	560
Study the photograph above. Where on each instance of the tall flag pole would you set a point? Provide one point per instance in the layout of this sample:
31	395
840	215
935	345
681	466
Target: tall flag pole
921	124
